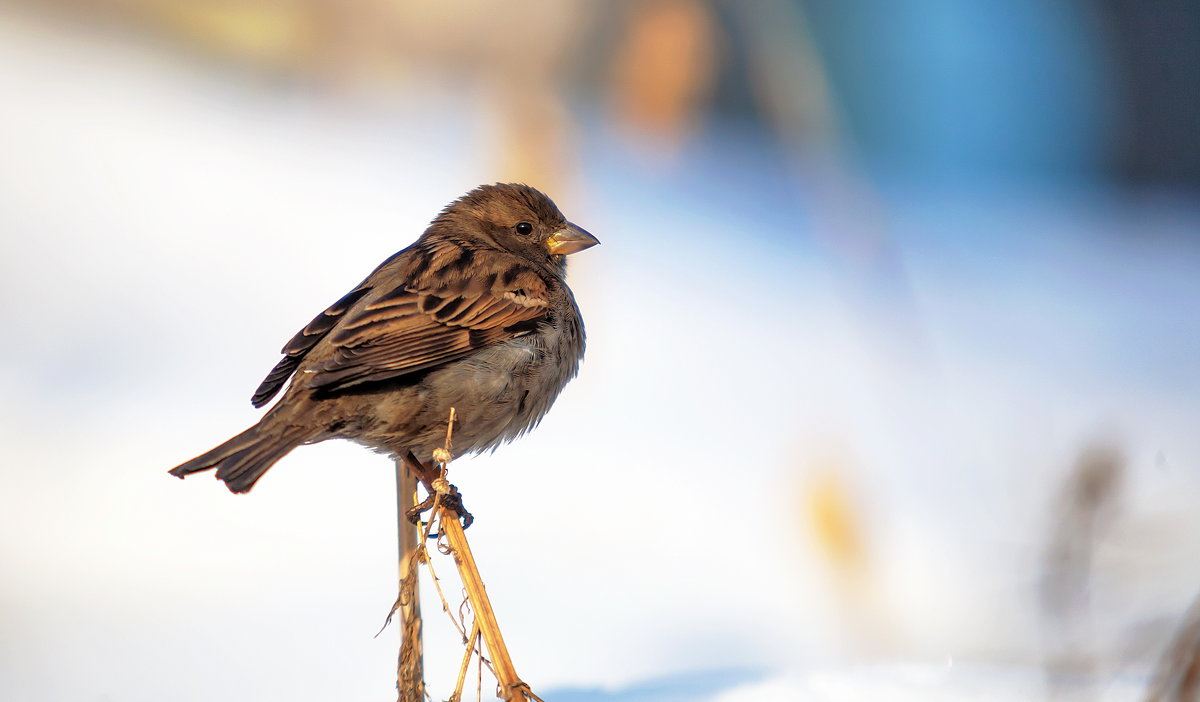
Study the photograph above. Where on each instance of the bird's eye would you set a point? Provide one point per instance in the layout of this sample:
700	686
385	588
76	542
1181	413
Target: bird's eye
524	228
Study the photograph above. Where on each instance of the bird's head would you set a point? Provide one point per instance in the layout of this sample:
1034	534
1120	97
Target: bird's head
514	218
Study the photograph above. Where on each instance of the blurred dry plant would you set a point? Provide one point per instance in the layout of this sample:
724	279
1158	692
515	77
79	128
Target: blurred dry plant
1177	678
664	68
511	59
1085	505
836	521
516	63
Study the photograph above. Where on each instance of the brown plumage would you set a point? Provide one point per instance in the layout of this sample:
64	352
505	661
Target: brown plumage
475	315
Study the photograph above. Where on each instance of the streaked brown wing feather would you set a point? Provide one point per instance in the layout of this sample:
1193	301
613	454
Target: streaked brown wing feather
436	316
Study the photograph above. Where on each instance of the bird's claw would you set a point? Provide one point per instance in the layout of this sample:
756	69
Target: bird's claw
453	500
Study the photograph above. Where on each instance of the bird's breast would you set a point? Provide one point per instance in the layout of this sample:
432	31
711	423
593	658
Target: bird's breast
504	390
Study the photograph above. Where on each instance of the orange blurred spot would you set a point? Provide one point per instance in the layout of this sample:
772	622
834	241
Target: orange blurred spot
665	66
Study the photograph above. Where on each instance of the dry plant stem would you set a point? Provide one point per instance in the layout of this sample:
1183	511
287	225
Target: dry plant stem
511	686
456	621
427	476
422	555
410	673
421	470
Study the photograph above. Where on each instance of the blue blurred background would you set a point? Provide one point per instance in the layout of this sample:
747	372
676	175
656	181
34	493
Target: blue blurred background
894	353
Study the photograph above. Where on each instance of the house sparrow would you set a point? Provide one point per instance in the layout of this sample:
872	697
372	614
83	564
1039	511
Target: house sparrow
474	315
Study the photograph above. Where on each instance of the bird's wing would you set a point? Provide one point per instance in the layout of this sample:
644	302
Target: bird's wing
449	302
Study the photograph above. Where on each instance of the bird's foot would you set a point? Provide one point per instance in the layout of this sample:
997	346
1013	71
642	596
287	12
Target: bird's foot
451	499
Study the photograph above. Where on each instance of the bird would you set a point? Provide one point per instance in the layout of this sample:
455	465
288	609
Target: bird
475	315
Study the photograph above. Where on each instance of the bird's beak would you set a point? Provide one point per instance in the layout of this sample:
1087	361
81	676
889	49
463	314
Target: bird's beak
569	240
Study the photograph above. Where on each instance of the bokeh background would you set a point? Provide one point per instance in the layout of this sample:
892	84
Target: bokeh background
892	381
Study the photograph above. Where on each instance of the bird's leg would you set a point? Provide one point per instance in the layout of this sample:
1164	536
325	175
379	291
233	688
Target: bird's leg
413	514
435	484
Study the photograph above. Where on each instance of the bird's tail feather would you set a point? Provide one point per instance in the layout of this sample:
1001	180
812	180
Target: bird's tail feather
242	460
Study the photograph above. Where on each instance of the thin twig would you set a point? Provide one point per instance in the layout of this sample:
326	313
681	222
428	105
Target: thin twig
471	642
